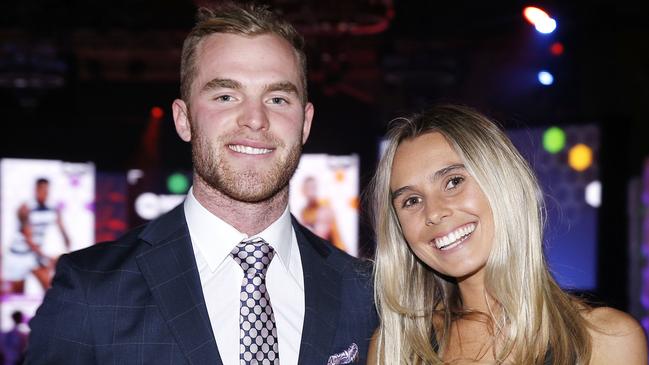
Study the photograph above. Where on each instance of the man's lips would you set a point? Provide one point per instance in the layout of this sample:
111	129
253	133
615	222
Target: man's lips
249	150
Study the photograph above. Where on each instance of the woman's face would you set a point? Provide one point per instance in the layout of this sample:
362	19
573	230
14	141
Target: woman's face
445	217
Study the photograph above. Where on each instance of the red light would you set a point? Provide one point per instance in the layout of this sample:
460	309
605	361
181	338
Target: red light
556	48
157	112
534	15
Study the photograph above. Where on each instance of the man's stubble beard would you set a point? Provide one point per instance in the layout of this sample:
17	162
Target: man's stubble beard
247	186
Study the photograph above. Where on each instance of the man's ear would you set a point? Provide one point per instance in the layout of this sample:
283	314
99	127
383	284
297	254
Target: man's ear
308	117
181	120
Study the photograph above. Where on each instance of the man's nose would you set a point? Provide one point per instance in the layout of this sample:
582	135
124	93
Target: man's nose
254	115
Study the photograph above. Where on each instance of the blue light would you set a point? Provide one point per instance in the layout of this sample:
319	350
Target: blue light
545	78
546	26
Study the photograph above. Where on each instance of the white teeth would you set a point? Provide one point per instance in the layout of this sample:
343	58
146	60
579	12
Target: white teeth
454	237
248	150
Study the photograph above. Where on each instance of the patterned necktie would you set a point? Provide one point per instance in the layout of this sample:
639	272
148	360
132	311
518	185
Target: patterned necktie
258	334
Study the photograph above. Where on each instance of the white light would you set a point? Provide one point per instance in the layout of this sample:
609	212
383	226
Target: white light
534	14
546	26
594	194
132	176
150	206
545	78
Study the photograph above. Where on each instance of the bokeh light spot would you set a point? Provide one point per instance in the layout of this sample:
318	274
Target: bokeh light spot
177	183
594	194
580	157
554	139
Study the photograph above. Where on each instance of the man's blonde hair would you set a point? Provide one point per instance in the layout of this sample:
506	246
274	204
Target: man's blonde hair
246	19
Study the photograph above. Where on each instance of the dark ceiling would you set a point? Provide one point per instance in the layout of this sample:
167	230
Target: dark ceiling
78	76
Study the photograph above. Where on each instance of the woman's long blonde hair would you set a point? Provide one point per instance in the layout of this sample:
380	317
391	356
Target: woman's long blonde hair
534	315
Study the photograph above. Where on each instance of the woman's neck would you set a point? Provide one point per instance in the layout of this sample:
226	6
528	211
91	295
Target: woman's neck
473	294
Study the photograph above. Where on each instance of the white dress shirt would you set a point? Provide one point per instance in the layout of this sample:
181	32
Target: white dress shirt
212	241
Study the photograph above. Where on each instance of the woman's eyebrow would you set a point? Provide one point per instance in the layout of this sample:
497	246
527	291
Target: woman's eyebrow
395	194
443	171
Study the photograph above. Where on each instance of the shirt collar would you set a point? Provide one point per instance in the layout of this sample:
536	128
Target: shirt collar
214	238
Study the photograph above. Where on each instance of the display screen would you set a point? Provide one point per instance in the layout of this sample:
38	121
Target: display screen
565	162
47	209
324	198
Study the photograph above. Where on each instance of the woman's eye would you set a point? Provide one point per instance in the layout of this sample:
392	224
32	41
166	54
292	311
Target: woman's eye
454	182
411	201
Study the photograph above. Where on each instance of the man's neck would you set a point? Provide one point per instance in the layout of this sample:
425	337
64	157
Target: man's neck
248	218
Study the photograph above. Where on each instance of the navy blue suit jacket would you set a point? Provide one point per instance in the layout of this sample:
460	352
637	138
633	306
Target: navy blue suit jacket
138	300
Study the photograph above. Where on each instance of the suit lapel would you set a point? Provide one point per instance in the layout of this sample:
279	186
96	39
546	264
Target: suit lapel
169	268
321	294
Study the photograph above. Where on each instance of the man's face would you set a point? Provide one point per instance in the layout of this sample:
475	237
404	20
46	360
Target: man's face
42	190
245	118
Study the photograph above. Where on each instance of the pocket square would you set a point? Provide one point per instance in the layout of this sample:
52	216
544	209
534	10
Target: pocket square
346	357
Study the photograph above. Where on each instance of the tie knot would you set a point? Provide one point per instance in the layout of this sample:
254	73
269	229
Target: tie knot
253	257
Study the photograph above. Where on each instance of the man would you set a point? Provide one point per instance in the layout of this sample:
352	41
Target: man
26	255
190	287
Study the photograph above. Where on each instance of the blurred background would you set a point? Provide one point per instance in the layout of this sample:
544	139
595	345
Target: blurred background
86	89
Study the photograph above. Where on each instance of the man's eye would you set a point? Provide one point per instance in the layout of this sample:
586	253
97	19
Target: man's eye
278	100
454	182
225	98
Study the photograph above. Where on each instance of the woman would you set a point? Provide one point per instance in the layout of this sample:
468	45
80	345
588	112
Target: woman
460	275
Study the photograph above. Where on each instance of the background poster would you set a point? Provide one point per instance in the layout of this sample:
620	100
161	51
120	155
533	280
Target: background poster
66	200
324	196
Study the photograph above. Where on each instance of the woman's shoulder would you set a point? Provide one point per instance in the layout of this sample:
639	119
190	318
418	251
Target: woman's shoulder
609	321
617	338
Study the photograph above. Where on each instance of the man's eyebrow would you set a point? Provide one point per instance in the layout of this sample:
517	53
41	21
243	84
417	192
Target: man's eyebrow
222	84
285	86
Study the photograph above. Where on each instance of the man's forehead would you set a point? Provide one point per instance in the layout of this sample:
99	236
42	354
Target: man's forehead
264	59
229	43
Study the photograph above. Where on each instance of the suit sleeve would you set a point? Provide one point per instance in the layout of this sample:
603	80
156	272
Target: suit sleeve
60	330
364	309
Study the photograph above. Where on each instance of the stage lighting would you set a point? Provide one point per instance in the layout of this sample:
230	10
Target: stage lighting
556	49
534	15
545	78
547	26
580	157
157	112
593	194
554	139
177	183
540	19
